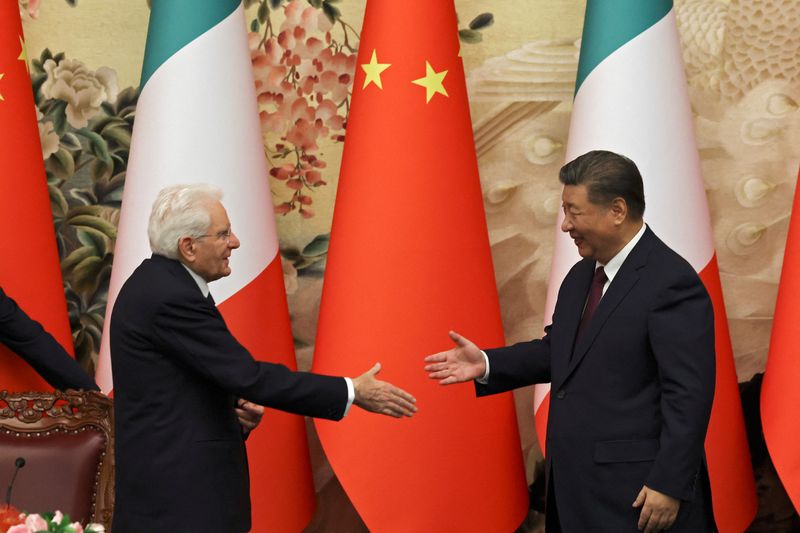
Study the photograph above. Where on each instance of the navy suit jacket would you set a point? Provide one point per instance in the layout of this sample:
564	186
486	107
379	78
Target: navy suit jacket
181	463
631	398
28	339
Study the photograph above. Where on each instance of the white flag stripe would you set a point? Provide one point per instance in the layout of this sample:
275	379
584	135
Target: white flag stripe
616	110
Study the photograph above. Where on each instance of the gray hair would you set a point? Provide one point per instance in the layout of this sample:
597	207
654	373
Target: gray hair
180	211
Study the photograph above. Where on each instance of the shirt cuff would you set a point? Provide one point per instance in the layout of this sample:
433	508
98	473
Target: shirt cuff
483	380
351	396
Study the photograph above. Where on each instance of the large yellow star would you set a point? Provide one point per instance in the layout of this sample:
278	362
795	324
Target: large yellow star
433	82
23	54
1	94
373	71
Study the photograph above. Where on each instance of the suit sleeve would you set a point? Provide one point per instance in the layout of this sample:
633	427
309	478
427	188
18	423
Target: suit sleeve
28	339
194	332
518	365
681	332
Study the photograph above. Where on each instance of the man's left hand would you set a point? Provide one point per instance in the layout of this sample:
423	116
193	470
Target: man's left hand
249	414
658	510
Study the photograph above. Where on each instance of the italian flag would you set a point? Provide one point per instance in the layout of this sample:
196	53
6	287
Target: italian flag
29	271
631	98
197	121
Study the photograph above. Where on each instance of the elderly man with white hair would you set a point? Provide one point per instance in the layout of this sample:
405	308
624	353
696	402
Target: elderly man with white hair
179	373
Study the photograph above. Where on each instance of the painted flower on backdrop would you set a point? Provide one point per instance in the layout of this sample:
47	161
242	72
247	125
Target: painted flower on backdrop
29	9
47	135
83	90
304	74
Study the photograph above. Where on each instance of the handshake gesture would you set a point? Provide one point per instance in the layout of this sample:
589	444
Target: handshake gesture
464	362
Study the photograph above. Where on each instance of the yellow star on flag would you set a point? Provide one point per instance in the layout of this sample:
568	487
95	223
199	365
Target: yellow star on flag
373	71
1	94
23	54
433	82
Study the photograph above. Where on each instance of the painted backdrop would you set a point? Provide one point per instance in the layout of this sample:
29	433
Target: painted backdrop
742	63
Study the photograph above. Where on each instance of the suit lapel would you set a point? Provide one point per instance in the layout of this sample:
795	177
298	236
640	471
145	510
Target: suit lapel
570	308
623	282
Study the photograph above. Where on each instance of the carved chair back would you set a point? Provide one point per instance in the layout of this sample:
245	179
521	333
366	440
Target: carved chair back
67	442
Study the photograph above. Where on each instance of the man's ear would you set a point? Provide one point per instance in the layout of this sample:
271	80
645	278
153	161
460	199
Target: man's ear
186	249
619	209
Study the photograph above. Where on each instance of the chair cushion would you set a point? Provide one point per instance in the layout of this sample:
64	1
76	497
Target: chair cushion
61	469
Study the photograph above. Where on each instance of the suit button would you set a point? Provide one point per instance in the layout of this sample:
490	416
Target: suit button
561	394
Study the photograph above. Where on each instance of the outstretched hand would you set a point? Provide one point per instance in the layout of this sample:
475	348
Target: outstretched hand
463	363
382	397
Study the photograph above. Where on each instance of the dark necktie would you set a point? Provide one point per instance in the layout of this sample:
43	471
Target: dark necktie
211	299
595	293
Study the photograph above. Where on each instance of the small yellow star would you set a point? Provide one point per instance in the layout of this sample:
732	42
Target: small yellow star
1	96
433	82
373	71
23	54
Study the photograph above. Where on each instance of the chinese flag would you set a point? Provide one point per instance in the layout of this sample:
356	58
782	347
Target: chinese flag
780	395
409	259
29	270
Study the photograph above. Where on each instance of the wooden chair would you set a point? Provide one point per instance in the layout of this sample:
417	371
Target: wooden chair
67	441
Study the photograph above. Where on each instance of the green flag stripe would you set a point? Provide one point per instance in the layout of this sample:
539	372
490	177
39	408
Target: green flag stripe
176	23
609	24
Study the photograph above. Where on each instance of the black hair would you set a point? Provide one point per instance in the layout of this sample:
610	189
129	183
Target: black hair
606	176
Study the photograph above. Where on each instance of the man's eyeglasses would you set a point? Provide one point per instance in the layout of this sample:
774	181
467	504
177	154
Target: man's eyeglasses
222	235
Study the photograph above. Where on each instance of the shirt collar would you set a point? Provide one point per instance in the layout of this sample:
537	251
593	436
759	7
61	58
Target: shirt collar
201	283
612	267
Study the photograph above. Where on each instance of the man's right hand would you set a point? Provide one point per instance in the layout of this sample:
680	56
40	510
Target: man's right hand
463	363
381	397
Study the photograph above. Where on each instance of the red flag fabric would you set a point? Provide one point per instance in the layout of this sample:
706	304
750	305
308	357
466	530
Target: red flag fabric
409	260
29	271
780	393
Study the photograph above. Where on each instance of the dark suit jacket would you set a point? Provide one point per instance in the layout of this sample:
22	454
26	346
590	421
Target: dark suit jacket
26	337
631	399
181	460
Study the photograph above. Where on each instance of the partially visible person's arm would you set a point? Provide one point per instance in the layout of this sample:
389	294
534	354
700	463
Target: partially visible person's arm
28	339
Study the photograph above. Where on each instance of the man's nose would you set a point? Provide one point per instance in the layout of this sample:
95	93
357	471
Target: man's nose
233	242
566	225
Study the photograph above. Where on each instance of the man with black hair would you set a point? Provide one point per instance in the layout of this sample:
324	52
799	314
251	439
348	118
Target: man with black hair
630	358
